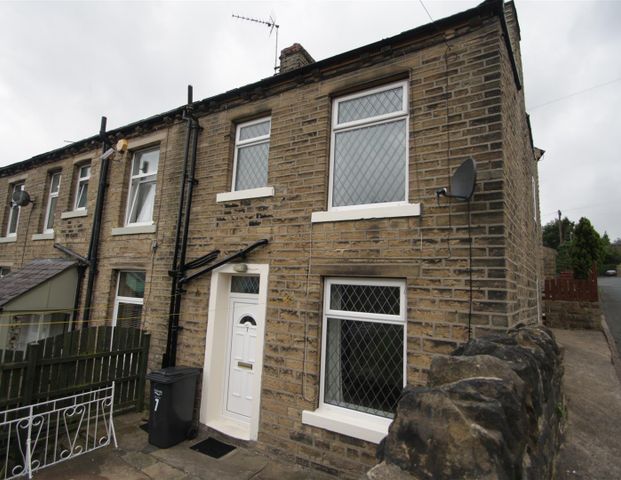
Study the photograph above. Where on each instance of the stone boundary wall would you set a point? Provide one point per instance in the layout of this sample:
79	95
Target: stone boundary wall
571	315
492	410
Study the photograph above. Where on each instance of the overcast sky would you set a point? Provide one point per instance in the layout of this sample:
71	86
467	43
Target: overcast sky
65	64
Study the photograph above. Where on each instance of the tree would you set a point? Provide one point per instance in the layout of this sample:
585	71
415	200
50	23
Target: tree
611	256
585	249
550	232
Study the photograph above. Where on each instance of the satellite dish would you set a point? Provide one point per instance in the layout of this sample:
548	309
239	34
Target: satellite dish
21	198
463	182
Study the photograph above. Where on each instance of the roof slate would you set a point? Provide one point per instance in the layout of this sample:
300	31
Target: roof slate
31	275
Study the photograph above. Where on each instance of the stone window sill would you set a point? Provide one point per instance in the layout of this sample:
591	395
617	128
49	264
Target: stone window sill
348	422
74	214
43	236
393	211
11	239
134	229
244	194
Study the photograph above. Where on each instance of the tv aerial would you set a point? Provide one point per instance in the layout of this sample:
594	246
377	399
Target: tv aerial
272	26
21	198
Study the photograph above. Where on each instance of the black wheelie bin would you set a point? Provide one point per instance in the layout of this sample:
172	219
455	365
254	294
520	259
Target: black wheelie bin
173	391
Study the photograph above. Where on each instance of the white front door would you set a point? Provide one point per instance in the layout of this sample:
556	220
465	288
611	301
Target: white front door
244	315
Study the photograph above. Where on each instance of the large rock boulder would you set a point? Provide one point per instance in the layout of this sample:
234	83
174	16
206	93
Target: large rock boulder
490	411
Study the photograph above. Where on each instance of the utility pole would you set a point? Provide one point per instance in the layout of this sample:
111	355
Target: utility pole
560	229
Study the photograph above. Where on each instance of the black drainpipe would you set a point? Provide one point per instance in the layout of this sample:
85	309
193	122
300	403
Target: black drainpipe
94	243
181	237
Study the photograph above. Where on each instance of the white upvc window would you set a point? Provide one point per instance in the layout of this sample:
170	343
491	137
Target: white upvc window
129	299
369	149
142	186
252	146
14	210
363	353
52	199
81	188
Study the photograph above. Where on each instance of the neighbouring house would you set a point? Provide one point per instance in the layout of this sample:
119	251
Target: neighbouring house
286	236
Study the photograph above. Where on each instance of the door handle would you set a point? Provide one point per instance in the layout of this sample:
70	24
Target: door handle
245	365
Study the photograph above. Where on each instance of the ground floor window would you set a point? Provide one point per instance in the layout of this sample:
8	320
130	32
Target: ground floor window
129	299
363	344
33	327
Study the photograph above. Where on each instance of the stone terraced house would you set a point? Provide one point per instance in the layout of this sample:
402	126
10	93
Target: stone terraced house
347	274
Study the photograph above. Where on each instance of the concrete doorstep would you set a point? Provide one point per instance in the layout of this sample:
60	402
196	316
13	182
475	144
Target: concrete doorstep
136	459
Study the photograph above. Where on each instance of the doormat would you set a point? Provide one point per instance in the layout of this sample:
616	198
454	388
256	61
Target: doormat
145	427
212	447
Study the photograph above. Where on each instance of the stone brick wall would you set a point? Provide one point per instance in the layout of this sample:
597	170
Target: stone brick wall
522	218
463	103
572	315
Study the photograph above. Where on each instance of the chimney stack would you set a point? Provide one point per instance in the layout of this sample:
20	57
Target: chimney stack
294	57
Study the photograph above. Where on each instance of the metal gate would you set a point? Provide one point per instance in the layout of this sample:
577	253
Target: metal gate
47	433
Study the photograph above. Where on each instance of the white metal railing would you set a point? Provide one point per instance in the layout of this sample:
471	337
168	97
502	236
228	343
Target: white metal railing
47	433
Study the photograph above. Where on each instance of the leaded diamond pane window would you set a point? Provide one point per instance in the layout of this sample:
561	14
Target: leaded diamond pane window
369	165
252	166
364	329
252	145
245	284
364	366
365	298
254	130
369	154
373	105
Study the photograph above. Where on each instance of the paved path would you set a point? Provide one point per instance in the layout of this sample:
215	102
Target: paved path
135	459
610	298
592	449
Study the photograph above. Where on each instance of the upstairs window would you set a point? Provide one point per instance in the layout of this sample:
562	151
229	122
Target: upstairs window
369	148
52	199
81	189
252	145
14	209
142	187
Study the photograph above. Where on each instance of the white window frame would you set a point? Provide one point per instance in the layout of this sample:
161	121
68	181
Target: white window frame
14	209
138	177
343	420
356	124
50	196
250	142
118	299
81	180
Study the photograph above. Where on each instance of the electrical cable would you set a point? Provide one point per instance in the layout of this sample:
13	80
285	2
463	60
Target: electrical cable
26	237
579	92
470	274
